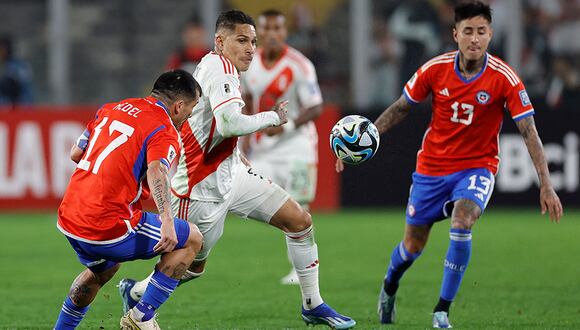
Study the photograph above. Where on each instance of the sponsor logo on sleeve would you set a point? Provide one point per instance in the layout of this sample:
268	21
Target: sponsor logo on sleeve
226	89
171	153
524	98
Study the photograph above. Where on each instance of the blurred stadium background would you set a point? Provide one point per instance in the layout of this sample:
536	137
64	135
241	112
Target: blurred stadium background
73	55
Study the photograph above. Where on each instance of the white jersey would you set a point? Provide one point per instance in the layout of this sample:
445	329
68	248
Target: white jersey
209	161
292	78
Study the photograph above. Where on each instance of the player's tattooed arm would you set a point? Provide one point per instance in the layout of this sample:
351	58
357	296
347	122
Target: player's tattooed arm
158	180
549	200
528	130
393	115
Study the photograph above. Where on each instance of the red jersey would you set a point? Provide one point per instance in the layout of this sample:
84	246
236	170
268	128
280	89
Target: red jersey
466	113
101	203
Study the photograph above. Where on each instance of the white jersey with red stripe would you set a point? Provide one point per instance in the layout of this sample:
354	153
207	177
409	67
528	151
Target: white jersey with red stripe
209	161
292	78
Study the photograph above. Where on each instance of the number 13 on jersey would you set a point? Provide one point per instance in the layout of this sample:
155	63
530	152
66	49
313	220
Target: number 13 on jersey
464	115
115	126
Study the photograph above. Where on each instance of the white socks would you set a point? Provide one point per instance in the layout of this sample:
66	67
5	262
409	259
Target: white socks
138	290
303	253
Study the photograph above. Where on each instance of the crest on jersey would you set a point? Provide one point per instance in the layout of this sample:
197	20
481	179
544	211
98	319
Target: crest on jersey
411	210
482	97
524	98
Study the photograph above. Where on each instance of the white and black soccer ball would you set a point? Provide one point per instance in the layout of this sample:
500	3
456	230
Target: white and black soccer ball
354	139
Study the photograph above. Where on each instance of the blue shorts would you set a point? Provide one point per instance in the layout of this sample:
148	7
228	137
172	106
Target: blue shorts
431	197
138	245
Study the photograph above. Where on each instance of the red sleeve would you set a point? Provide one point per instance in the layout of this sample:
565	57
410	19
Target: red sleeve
518	102
419	86
163	146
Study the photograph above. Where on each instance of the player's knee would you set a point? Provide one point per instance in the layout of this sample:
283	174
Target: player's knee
195	239
302	221
465	213
414	246
107	275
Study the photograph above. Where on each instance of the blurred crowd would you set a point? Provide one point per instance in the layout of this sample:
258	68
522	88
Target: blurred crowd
405	34
408	33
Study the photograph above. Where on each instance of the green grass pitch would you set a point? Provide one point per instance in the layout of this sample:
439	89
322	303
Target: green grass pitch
524	273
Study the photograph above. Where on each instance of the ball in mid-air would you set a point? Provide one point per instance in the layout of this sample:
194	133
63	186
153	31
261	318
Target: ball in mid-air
354	139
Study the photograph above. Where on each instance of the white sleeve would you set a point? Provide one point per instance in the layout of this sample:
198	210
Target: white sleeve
308	90
224	89
230	121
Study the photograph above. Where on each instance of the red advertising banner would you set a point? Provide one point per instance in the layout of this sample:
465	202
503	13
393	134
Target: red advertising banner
35	166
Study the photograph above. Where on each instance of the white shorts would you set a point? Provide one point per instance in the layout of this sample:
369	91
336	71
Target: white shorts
252	196
297	177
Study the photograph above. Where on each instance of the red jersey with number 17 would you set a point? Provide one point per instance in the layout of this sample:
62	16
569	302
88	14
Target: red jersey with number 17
466	113
101	204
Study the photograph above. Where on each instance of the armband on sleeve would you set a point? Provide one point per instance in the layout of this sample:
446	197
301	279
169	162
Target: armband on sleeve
83	140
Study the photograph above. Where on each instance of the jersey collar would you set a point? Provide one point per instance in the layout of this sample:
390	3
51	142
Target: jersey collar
467	81
158	103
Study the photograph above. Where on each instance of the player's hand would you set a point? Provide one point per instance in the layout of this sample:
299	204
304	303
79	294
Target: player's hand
339	166
271	131
550	202
168	239
281	111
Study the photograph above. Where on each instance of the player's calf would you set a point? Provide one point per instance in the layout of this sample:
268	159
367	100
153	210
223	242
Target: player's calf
166	276
83	291
465	214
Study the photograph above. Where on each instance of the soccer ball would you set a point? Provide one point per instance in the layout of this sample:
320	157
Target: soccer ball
354	139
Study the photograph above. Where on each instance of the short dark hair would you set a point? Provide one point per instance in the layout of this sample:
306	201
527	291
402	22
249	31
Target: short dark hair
469	9
229	19
177	84
271	13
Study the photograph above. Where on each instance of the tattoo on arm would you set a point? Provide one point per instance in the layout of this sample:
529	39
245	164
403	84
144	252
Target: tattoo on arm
528	130
393	115
160	194
159	183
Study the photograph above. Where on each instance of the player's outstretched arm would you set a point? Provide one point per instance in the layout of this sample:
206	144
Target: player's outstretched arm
230	121
393	115
305	116
158	180
549	200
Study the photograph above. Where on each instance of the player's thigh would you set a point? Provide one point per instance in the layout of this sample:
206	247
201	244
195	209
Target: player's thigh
256	197
475	185
428	198
147	234
209	217
138	244
266	168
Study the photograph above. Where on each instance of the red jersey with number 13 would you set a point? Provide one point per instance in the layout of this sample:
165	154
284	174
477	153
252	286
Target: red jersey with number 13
466	113
101	203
